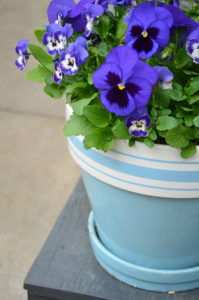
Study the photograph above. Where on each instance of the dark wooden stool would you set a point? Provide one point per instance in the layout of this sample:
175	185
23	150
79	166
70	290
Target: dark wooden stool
66	268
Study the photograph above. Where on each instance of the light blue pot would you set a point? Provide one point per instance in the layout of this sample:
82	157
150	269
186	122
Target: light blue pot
144	224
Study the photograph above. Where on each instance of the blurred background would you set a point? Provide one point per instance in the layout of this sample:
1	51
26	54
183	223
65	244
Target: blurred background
37	174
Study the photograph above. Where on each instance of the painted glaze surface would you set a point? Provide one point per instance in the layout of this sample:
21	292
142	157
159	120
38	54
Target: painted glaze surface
159	171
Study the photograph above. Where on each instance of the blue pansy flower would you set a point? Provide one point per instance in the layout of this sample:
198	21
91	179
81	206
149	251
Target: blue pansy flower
56	37
21	50
90	13
75	55
165	77
138	122
58	10
125	82
125	3
58	74
148	29
192	46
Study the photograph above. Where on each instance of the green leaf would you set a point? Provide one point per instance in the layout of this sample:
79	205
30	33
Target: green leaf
120	29
44	59
177	95
90	78
165	112
196	121
193	86
166	122
39	34
193	99
77	125
181	58
101	139
102	49
79	105
188	120
73	86
188	151
166	52
37	74
148	142
120	130
131	142
54	91
176	137
97	115
49	79
152	135
162	97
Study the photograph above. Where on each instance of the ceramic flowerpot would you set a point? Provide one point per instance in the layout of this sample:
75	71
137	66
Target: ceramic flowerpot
144	224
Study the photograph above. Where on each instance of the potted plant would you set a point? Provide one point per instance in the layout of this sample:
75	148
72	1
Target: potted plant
130	74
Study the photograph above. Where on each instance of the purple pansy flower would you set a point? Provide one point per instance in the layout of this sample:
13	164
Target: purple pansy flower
21	50
58	74
192	46
74	55
125	82
90	13
56	37
58	10
125	3
148	29
165	77
137	122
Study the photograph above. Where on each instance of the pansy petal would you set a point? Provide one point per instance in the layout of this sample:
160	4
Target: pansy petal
164	15
93	10
78	23
46	38
163	32
80	40
107	76
68	30
194	35
78	8
144	70
125	57
145	12
138	133
59	7
164	74
21	47
134	29
142	97
20	63
82	54
146	47
118	102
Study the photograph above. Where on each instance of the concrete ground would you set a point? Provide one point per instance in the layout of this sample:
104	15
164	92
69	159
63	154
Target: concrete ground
37	173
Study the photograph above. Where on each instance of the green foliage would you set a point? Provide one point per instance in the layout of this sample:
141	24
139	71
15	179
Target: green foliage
120	130
97	115
37	74
166	122
188	151
78	125
101	139
174	113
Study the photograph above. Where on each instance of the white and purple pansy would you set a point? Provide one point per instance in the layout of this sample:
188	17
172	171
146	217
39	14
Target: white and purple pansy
75	55
138	122
165	77
125	82
21	50
192	46
90	13
148	29
58	74
56	38
58	10
69	63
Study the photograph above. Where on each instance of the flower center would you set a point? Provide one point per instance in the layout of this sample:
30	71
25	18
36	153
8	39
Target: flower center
71	63
144	34
139	124
54	43
121	87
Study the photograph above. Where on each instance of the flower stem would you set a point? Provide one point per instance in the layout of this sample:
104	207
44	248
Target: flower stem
156	3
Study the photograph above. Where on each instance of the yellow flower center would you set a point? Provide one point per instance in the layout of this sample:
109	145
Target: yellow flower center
139	124
121	87
144	34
